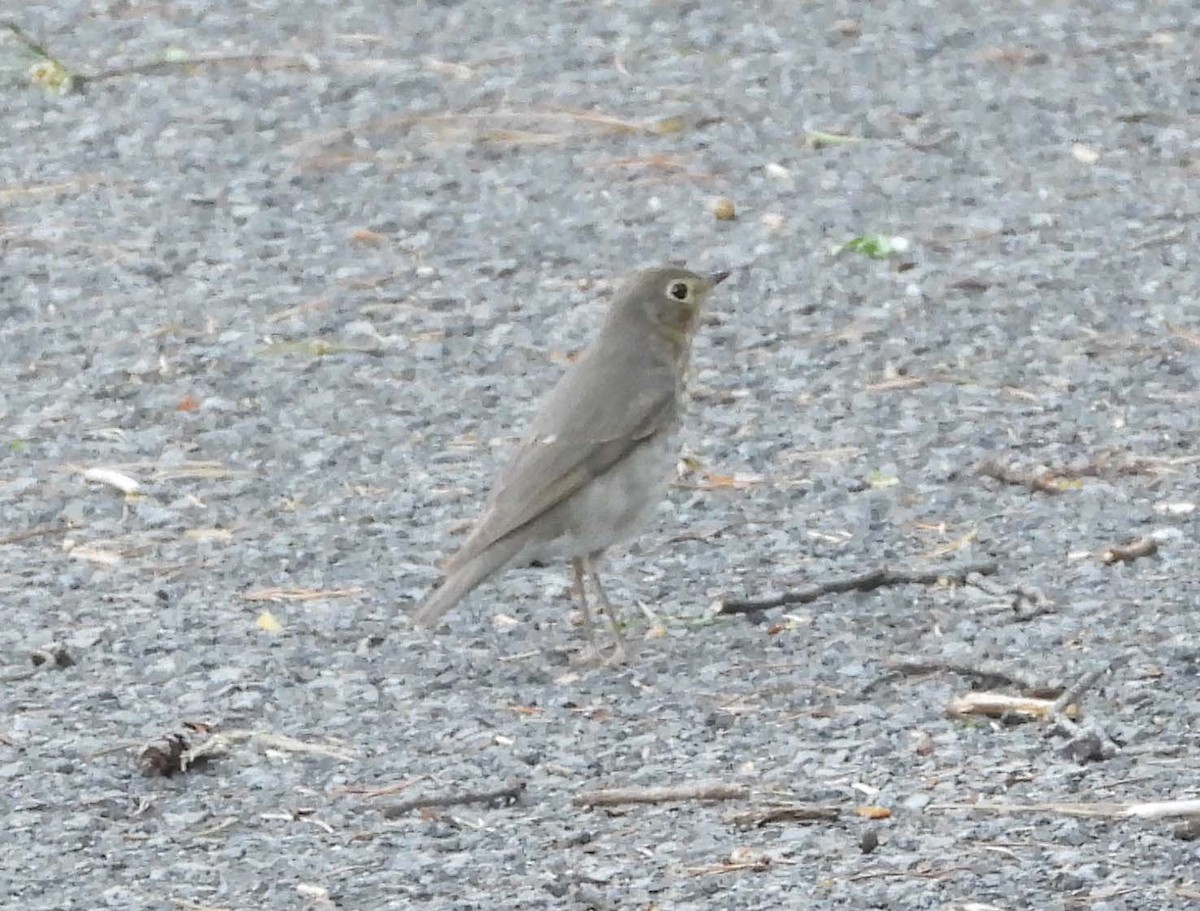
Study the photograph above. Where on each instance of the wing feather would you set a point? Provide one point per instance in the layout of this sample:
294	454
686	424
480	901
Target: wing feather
579	434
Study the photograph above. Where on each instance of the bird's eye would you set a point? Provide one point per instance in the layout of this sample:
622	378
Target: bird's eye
679	290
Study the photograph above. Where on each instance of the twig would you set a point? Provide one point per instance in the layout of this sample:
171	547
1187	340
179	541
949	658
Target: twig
1127	553
918	873
382	791
797	812
1044	482
708	790
1089	741
176	471
36	532
999	705
1159	809
1156	240
987	672
300	594
288	744
34	47
506	796
755	865
1164	809
472	122
880	577
193	906
78	81
121	482
158	67
1082	684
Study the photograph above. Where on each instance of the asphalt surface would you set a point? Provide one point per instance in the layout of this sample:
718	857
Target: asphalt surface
304	285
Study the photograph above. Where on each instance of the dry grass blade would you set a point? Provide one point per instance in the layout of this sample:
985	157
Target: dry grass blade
521	137
301	594
299	310
541	126
177	471
606	121
12	194
662	162
36	532
190	470
1192	338
381	791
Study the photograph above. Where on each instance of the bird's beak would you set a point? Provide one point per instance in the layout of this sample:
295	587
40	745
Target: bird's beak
717	277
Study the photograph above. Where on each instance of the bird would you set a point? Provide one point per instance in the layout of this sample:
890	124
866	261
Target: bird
598	455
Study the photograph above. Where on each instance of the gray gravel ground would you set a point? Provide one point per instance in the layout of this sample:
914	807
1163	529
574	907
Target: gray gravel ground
307	301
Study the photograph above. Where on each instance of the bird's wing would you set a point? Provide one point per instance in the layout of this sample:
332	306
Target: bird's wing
592	433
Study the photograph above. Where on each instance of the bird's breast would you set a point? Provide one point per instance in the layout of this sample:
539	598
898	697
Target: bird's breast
614	506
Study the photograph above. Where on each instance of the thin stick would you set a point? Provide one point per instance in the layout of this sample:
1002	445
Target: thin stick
998	705
1127	553
987	672
1089	741
591	121
300	594
32	46
157	67
286	744
383	791
784	813
1043	483
880	577
1084	683
500	797
1159	809
36	532
757	866
192	906
709	790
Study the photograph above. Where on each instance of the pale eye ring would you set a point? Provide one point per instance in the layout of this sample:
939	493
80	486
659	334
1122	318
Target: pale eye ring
679	290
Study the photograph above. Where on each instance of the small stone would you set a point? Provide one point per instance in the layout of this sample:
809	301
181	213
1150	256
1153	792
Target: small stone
724	209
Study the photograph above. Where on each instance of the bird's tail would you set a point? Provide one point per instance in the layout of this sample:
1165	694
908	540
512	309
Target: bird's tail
462	579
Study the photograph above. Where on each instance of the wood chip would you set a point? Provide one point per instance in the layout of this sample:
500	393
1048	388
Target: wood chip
121	482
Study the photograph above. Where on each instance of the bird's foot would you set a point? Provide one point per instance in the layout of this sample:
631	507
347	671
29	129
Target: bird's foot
593	656
618	656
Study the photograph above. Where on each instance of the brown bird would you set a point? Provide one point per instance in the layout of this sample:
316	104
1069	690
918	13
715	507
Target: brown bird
600	453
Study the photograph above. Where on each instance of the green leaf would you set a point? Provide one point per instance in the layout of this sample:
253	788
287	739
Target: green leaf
874	246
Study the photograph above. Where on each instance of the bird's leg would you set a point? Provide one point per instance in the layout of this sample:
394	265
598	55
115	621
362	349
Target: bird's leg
577	569
610	612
